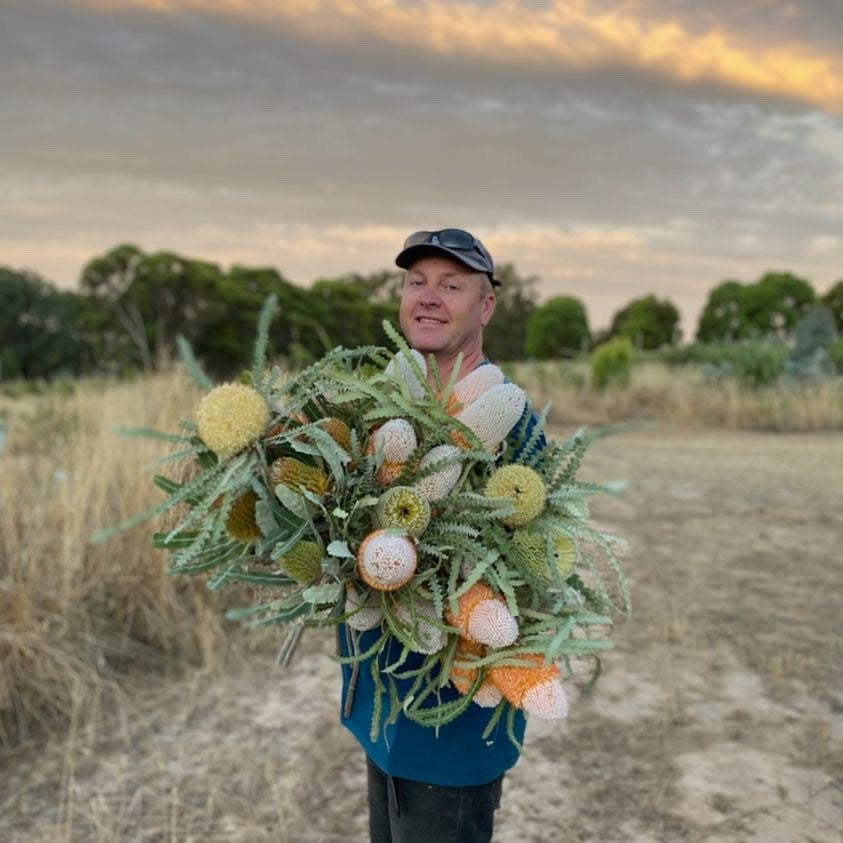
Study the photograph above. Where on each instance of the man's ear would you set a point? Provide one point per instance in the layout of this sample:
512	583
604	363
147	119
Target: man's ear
487	308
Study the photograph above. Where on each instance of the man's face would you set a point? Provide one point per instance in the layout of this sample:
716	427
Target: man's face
444	306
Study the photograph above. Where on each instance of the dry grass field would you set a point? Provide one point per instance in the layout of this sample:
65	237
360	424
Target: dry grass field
132	714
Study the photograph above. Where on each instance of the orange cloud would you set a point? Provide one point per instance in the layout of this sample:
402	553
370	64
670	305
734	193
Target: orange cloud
570	33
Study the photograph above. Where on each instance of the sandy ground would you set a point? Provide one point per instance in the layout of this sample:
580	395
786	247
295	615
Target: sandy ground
718	718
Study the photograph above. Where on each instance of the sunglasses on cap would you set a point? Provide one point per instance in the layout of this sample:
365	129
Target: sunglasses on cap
455	241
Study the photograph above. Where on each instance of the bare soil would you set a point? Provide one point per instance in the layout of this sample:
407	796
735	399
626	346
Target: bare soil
718	717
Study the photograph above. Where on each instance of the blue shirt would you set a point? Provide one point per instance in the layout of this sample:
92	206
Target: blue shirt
455	754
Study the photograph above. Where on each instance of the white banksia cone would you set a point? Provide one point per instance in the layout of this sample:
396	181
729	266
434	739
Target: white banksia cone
429	638
400	368
386	562
475	383
368	614
484	618
397	439
439	483
493	415
536	687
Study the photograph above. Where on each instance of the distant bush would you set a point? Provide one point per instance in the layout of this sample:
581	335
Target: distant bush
813	335
756	364
612	363
835	354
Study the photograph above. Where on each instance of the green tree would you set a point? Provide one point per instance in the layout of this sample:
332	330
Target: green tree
647	322
558	328
774	304
833	300
721	319
41	328
505	338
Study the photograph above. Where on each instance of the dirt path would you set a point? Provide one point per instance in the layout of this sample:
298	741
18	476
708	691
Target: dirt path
719	716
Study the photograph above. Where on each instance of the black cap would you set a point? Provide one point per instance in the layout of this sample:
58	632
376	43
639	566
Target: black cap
455	243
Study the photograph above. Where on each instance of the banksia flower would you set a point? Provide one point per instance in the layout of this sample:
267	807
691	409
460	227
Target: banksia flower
429	638
487	695
403	507
339	431
438	484
484	618
297	474
400	369
397	439
231	417
389	472
302	562
523	487
531	553
240	523
386	562
494	413
536	689
475	383
367	614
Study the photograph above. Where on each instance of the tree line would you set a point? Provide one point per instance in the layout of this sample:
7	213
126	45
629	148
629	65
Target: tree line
130	306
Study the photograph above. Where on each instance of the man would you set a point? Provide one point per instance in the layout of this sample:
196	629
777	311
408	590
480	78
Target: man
428	785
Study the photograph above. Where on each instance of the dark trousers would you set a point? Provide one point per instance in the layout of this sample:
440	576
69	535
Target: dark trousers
405	811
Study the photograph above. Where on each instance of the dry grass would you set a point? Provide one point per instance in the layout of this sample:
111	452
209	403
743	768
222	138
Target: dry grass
717	719
77	615
681	397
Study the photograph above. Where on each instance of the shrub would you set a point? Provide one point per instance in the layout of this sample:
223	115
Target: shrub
835	354
612	363
757	363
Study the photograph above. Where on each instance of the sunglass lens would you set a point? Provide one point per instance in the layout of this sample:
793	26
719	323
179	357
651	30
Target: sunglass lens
456	238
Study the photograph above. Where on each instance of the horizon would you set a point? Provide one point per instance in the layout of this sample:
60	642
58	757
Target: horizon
612	149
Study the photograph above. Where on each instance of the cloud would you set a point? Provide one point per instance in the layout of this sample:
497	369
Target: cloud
571	34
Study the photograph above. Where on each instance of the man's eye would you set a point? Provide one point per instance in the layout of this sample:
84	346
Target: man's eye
452	287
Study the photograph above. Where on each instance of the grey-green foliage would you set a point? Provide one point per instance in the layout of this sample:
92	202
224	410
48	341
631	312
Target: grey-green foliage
814	335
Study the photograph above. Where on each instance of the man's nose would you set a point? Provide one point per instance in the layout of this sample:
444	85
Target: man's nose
429	296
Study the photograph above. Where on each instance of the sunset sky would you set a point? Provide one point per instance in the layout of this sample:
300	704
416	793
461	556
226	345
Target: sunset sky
612	148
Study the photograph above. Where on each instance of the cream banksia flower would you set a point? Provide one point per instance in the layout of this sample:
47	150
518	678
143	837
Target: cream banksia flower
494	413
231	417
386	562
367	613
475	383
397	439
523	487
240	523
401	369
403	507
484	618
296	474
531	553
429	637
536	689
302	562
440	483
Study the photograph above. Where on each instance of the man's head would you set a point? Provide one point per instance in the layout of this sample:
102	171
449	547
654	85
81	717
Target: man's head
447	297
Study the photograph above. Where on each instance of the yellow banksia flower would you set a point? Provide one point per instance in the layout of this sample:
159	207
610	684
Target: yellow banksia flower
240	523
403	507
231	417
536	689
532	556
302	562
297	474
386	562
523	487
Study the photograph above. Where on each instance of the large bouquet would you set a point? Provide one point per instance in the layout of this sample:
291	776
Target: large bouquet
358	493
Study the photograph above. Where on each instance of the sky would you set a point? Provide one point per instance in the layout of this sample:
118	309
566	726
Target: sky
613	149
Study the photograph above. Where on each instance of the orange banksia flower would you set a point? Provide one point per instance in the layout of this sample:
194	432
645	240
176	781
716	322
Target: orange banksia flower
296	474
536	689
386	562
484	618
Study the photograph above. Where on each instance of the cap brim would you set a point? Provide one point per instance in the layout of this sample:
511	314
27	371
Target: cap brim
413	253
